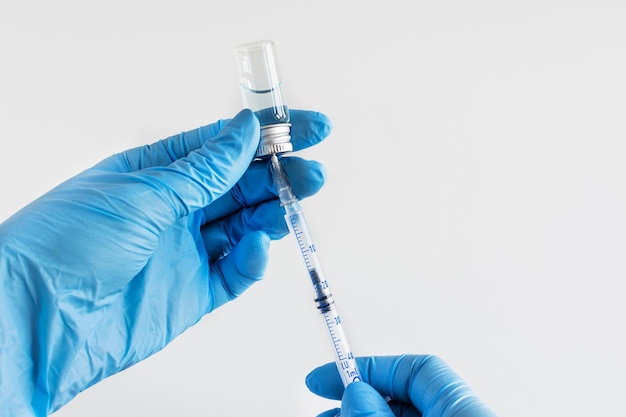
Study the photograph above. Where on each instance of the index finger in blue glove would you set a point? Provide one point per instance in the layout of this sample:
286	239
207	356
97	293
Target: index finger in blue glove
308	128
425	381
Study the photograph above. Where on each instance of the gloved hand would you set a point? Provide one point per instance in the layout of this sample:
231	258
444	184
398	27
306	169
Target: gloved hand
107	268
416	385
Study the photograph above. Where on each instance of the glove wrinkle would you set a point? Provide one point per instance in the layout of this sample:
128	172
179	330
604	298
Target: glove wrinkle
238	196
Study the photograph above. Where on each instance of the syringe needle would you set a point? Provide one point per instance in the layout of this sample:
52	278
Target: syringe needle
281	182
346	364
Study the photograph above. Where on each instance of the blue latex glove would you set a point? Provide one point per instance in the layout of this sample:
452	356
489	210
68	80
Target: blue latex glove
416	385
107	268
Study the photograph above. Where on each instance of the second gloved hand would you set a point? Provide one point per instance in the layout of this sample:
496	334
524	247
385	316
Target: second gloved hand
108	267
416	385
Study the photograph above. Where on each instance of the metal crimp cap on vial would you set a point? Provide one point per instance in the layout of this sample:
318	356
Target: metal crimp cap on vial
275	138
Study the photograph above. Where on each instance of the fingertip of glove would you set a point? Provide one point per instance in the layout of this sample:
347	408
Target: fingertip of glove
319	172
312	380
323	123
247	122
309	128
309	381
234	145
325	381
310	179
245	114
253	256
307	177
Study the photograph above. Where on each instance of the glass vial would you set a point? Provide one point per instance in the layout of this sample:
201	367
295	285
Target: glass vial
260	83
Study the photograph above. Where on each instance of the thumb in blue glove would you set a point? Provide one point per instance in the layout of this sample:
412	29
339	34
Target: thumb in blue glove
416	385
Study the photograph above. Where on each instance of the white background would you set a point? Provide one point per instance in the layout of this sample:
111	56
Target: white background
475	205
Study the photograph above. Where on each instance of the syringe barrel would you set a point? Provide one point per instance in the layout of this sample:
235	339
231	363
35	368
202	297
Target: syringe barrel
346	364
344	359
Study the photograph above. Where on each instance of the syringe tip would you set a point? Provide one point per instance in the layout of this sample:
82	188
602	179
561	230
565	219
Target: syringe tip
281	182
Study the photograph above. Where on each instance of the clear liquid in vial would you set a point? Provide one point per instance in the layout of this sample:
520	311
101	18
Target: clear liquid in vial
268	105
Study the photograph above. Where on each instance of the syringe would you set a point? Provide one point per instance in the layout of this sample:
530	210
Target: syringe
261	91
346	364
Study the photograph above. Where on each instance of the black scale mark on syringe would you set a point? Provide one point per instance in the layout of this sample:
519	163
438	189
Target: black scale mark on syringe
324	298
